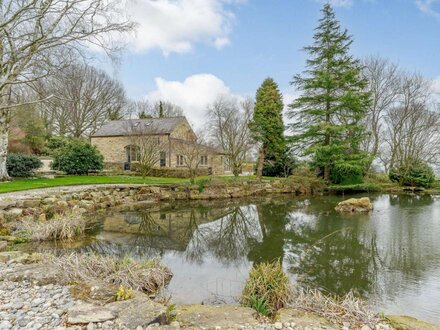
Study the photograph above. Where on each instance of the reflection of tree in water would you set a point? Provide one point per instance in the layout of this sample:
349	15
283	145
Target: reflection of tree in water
272	218
227	238
140	245
411	200
336	261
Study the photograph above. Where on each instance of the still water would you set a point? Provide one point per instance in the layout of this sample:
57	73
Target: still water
391	256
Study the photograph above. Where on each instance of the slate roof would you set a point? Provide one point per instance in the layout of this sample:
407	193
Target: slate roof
149	126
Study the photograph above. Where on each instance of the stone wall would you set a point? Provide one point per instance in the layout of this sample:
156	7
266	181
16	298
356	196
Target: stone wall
113	150
100	197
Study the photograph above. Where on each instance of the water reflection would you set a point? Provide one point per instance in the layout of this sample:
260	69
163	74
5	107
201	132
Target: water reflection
391	256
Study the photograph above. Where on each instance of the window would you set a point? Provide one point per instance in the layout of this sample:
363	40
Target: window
227	165
180	160
132	153
163	159
204	160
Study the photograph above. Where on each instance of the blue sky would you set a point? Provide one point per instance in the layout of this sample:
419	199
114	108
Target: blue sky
192	51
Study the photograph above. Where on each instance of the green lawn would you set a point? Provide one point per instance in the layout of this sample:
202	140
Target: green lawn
26	184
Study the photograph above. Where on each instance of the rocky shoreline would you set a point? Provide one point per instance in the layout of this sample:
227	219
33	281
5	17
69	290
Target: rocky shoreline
44	203
32	296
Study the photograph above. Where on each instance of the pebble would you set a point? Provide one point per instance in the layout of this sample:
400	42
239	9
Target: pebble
24	305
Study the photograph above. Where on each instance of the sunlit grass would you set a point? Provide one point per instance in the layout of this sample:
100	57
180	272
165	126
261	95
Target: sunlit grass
36	183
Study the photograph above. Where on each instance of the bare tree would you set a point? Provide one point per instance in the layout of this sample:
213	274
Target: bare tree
189	155
145	148
229	123
159	109
412	126
39	36
85	98
384	87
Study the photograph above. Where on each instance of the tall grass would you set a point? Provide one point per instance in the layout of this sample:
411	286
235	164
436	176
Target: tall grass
147	276
63	227
267	288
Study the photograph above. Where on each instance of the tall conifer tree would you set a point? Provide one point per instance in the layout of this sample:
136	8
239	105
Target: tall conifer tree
267	124
327	116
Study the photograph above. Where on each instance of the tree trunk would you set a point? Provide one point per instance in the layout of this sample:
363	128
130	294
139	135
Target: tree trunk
236	170
261	161
4	130
327	173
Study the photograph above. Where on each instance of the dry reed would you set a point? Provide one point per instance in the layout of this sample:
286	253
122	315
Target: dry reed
337	310
147	276
61	227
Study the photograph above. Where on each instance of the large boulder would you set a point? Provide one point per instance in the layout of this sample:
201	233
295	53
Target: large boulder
355	205
409	323
214	317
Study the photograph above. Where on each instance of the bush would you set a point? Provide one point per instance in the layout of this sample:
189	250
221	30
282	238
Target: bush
281	167
415	174
346	173
55	143
267	288
78	157
21	165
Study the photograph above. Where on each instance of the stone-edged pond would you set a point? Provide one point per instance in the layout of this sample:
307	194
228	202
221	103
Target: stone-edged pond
391	257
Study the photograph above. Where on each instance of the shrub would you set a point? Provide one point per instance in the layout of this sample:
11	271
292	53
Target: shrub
20	165
267	288
55	143
77	157
416	174
347	173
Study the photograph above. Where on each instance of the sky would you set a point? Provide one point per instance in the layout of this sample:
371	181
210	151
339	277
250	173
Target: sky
190	52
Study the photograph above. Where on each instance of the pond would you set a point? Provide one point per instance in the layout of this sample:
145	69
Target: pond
391	257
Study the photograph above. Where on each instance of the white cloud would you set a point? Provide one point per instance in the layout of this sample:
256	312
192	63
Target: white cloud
431	7
176	25
338	3
343	3
194	94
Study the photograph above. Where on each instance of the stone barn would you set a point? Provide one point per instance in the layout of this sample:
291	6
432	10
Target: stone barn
121	142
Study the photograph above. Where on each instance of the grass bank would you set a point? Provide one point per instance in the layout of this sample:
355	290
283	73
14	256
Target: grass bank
37	183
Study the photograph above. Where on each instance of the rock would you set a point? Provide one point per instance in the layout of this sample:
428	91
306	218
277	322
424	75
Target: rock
137	311
31	203
278	325
355	205
4	325
175	325
299	319
14	213
409	323
365	327
42	217
10	255
208	317
7	204
88	313
49	200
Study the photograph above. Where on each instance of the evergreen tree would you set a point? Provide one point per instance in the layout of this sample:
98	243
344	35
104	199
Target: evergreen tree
332	104
267	123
